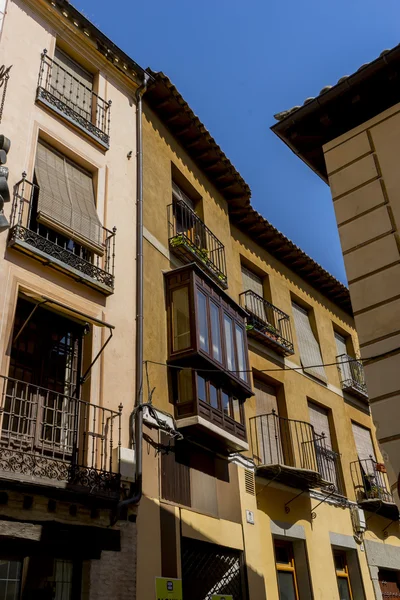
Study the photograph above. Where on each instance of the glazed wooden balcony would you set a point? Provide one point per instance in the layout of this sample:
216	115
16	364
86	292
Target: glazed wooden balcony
51	248
267	323
290	452
372	488
62	93
50	439
352	376
192	241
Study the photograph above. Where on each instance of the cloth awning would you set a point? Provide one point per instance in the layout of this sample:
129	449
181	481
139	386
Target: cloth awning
66	200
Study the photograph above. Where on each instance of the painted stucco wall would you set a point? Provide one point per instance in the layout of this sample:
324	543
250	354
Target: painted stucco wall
365	184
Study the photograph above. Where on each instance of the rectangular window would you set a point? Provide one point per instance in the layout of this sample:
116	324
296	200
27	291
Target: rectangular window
180	320
252	282
241	352
215	332
236	410
310	352
230	350
201	388
202	320
10	579
72	83
342	575
213	396
185	386
327	459
286	572
225	403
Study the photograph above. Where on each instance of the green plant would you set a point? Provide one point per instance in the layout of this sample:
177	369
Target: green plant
178	240
249	327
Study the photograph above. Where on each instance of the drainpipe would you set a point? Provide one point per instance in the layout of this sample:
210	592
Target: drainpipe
137	415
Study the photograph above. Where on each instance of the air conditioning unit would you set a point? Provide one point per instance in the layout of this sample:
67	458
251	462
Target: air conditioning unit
127	463
358	519
163	419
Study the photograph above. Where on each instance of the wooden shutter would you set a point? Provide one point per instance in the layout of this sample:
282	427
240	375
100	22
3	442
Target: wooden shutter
363	440
66	199
175	472
203	483
310	352
267	429
252	282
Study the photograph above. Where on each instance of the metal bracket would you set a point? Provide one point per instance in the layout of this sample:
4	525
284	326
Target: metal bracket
25	323
332	490
286	505
86	373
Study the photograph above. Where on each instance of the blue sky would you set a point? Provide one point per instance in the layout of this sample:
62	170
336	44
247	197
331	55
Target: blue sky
237	64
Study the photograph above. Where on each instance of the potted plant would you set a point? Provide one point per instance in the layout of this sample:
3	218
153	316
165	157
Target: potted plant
380	467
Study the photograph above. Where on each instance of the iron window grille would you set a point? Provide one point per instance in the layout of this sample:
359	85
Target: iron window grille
29	236
291	450
352	375
191	240
370	481
62	92
268	323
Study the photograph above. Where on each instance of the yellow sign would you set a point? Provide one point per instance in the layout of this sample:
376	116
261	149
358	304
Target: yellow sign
215	597
169	589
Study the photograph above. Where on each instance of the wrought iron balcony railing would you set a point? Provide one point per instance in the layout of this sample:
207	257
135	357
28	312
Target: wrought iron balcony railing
352	375
49	437
191	240
66	95
372	488
52	248
267	323
289	451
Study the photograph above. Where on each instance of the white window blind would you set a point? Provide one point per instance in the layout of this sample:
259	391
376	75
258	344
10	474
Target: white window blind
326	457
252	282
320	421
363	440
310	352
66	199
341	350
268	434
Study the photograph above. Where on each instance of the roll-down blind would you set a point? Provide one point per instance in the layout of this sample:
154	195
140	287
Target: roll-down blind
252	282
66	199
320	421
363	440
310	352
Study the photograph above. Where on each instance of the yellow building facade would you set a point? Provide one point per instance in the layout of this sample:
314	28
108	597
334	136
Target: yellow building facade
278	503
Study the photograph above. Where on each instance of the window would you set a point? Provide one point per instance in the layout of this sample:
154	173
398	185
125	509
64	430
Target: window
219	399
310	352
65	202
202	320
180	319
72	83
214	396
215	332
268	434
341	349
241	352
252	281
10	579
230	350
185	386
201	388
342	574
327	459
286	572
365	449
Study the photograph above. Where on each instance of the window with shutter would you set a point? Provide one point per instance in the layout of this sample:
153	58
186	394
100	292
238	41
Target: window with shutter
251	281
72	83
363	440
268	433
320	421
66	200
310	352
341	350
326	457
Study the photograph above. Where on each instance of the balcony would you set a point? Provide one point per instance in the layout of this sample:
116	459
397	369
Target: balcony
30	237
192	241
372	488
267	323
352	376
57	441
63	93
291	453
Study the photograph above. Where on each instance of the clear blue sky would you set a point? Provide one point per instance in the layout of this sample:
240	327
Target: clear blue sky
237	64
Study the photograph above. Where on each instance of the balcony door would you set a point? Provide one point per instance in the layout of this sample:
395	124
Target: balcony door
39	413
72	84
326	457
268	434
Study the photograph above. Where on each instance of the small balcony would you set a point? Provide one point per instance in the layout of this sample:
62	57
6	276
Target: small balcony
57	441
290	452
64	94
352	376
55	250
372	488
192	241
267	323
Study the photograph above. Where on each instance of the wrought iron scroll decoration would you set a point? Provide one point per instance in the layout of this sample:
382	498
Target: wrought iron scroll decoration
4	77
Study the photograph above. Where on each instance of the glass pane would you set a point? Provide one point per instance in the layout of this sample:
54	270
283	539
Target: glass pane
215	332
282	555
241	352
4	564
344	592
287	589
225	403
185	386
236	410
230	352
180	319
12	590
340	562
202	320
201	388
213	396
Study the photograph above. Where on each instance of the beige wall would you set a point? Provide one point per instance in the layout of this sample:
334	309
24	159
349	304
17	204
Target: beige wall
160	152
365	185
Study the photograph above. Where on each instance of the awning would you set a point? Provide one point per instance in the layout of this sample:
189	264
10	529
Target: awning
63	308
66	200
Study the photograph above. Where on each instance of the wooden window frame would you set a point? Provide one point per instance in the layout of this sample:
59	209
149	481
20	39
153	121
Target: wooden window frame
289	567
343	573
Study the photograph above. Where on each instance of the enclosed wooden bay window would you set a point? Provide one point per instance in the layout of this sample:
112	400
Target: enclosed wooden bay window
207	339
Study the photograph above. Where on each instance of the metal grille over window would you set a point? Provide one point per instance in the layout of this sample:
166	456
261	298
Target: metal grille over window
66	199
209	570
310	352
326	457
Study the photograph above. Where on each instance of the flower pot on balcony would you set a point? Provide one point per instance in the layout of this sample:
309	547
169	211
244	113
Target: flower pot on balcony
380	467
